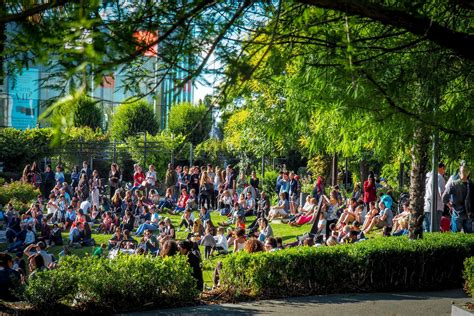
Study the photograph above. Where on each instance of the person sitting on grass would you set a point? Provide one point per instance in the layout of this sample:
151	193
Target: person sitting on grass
373	211
116	238
39	248
349	213
182	201
271	244
128	221
281	209
253	245
250	205
383	220
169	248
221	241
205	216
167	202
225	203
306	214
238	239
152	224
150	243
106	225
169	231
36	264
266	230
400	218
187	220
23	239
99	251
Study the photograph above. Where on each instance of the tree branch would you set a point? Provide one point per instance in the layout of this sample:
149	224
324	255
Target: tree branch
458	42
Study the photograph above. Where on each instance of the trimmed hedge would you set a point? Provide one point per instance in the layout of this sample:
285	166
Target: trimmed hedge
124	283
383	264
469	276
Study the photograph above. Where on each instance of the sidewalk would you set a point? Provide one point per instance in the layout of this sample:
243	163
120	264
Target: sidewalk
412	303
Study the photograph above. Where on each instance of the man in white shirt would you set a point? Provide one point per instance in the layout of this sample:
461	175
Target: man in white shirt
85	206
40	249
429	197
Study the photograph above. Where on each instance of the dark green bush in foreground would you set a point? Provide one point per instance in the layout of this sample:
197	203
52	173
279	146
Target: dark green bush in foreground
128	282
384	264
469	275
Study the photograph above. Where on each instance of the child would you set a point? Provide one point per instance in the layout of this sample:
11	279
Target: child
99	251
209	243
445	223
221	241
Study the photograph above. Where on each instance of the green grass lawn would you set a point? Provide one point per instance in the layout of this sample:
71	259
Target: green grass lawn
287	232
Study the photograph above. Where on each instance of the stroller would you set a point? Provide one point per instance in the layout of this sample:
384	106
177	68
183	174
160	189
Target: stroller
127	247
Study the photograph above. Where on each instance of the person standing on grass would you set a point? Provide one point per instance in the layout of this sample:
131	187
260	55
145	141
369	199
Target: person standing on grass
459	194
185	248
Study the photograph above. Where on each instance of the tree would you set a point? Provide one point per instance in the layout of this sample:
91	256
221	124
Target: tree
87	113
132	118
194	122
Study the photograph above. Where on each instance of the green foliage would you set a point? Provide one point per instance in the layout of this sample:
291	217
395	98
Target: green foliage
319	166
159	150
18	191
126	282
211	151
87	113
132	118
382	264
51	288
184	117
23	147
268	183
468	275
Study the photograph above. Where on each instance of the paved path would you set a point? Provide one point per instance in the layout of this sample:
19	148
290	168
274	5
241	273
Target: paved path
418	303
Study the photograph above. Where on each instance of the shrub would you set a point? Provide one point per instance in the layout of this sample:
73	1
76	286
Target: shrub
50	288
383	264
87	113
469	276
268	183
123	283
18	191
132	118
184	117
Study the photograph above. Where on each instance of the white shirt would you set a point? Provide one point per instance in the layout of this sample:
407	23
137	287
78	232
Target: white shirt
151	177
221	241
85	205
428	194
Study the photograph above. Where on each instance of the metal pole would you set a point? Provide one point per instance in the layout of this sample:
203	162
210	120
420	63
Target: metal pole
334	170
190	154
434	185
144	148
263	166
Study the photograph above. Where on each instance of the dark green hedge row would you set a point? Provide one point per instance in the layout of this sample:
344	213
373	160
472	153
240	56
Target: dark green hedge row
383	264
124	283
469	276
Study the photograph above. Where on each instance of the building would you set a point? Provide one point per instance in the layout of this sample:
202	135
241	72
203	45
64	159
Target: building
23	99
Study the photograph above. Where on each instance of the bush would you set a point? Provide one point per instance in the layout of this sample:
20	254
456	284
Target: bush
124	283
19	192
132	118
184	117
384	264
51	288
87	113
268	183
469	276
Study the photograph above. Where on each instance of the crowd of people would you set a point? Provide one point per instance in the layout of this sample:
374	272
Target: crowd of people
139	211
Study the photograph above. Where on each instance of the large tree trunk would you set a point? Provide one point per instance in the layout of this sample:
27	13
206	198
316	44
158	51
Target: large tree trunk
419	156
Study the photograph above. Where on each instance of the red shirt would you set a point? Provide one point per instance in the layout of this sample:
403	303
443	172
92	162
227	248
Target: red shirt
183	199
369	192
138	178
